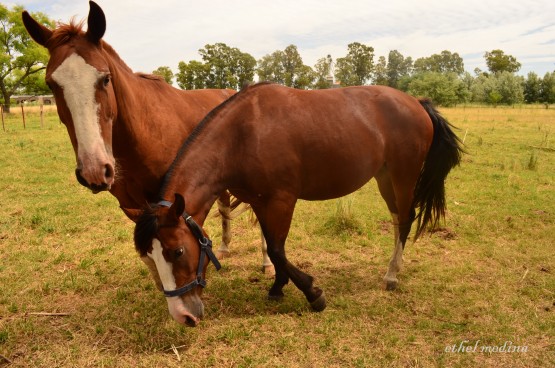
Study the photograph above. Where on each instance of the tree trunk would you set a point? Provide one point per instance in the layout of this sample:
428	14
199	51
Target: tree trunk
6	95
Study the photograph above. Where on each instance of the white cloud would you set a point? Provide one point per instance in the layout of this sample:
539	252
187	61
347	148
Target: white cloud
164	32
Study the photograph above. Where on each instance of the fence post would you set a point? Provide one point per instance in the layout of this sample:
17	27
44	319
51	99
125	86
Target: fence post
23	114
41	104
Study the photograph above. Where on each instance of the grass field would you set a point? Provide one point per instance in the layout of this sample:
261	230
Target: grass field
478	293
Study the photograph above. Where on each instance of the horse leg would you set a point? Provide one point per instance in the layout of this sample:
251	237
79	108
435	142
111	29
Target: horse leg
224	207
399	203
267	265
275	220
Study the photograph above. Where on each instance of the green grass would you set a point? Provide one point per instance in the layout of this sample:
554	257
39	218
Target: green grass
487	277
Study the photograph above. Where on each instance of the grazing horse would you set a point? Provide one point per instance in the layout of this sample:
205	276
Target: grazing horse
272	145
125	127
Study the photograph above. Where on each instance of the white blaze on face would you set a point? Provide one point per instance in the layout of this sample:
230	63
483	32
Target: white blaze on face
165	268
78	80
165	271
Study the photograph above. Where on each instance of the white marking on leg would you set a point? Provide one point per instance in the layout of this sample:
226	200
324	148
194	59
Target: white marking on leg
267	265
78	80
396	262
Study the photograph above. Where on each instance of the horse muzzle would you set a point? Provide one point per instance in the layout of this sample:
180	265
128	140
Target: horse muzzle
187	310
96	182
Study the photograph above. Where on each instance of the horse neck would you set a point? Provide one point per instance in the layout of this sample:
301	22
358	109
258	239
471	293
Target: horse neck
202	172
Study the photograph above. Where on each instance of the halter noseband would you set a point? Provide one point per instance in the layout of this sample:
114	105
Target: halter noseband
205	250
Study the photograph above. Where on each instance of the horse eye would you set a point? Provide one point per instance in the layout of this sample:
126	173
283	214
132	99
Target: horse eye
106	80
178	252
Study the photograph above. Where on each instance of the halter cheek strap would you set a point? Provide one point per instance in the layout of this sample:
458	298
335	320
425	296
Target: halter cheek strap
205	250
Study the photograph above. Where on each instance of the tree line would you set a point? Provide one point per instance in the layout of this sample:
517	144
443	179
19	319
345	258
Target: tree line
441	77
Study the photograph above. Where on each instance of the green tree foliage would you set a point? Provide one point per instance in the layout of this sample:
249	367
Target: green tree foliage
392	72
192	75
446	62
532	88
444	89
504	88
164	72
287	68
357	67
323	70
223	67
227	67
498	62
21	57
548	88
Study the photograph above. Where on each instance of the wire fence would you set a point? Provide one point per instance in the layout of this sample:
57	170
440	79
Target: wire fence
38	116
27	115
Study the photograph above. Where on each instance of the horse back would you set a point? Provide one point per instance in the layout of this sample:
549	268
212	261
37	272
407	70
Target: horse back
328	143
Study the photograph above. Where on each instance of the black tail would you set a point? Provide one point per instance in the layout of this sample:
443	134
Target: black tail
444	154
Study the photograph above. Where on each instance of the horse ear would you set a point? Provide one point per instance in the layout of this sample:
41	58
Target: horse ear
132	213
96	23
178	206
37	31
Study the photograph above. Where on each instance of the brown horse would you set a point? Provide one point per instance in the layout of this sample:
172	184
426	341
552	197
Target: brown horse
125	127
276	145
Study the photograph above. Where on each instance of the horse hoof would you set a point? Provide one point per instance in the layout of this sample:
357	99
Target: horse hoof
319	304
270	271
275	298
390	285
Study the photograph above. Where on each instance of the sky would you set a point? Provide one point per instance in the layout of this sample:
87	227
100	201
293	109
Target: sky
149	34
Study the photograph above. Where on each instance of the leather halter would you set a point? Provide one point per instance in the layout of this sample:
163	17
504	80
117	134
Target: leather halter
205	250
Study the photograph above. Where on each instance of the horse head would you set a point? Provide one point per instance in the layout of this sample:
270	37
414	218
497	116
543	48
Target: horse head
79	75
177	252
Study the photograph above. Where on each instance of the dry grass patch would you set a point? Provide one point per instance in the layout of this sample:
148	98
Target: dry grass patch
486	278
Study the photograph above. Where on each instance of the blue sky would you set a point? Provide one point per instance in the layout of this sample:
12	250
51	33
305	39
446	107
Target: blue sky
149	34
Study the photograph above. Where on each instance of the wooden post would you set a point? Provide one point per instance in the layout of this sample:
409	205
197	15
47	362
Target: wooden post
41	102
2	108
23	115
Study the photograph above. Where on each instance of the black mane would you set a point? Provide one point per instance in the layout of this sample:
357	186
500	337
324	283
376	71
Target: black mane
146	229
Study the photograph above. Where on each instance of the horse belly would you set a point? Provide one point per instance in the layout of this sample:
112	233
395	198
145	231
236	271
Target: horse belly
340	167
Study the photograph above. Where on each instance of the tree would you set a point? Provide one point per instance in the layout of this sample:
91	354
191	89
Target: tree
21	56
398	67
445	89
192	75
286	67
510	86
223	67
532	88
35	84
548	89
498	62
164	72
505	88
356	68
324	75
227	67
380	72
446	62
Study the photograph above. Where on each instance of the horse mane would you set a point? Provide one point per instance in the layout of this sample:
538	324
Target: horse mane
64	33
145	230
198	129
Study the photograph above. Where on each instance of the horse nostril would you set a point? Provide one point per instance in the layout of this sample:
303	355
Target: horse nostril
108	172
190	321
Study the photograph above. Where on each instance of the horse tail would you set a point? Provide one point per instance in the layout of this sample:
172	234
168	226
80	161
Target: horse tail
444	154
